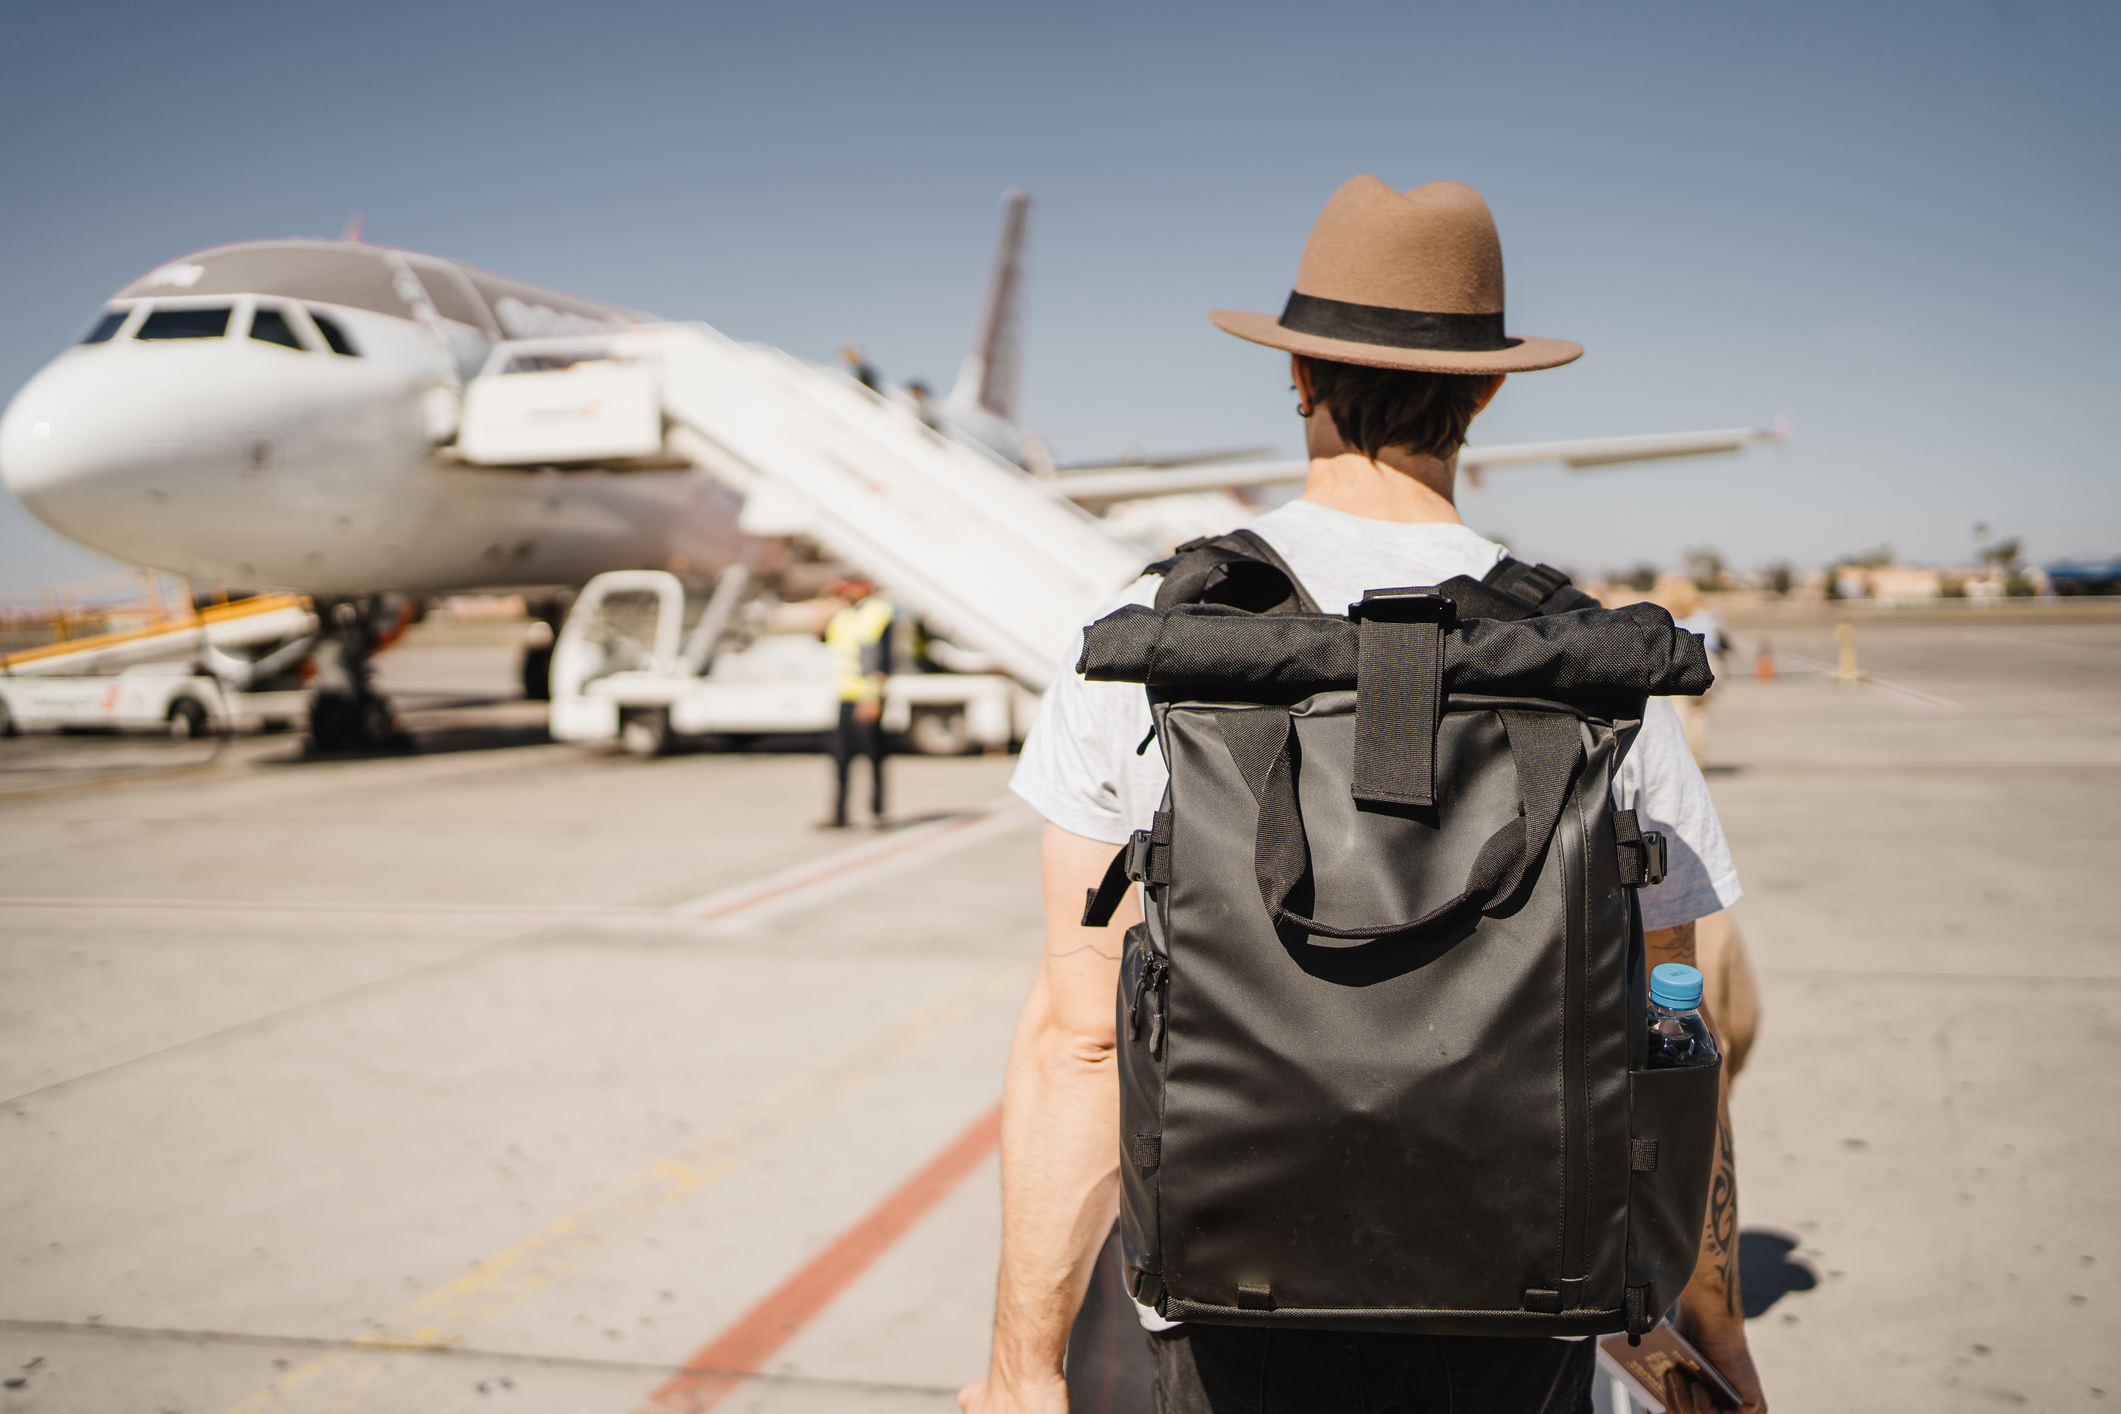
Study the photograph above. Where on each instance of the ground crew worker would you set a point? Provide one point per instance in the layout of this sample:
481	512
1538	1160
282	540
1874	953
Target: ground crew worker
1396	329
859	636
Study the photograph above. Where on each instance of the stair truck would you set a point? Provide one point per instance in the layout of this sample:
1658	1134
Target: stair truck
221	668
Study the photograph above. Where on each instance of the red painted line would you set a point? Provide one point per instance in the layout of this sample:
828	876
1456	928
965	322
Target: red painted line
717	1369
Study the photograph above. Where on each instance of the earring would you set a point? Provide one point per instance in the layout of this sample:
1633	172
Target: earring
1303	409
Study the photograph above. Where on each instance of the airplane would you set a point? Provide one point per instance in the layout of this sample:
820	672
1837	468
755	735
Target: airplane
286	415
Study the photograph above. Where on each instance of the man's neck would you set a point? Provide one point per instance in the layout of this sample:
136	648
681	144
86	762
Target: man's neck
1396	487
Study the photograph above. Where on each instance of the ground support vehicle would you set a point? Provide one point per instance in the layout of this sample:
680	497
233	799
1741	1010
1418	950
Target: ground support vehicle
226	667
640	661
175	698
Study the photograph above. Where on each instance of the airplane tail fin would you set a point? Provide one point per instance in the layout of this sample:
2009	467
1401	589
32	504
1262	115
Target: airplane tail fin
988	377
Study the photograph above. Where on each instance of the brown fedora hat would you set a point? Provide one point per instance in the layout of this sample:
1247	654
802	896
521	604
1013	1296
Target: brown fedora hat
1401	280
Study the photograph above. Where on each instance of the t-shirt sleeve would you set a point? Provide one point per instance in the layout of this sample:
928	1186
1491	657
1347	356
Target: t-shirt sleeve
1076	753
1661	783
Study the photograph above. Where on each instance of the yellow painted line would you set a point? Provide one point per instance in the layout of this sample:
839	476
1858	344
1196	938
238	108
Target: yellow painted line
534	1264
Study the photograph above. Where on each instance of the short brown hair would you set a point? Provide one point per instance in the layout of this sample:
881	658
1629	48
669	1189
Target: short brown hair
1376	408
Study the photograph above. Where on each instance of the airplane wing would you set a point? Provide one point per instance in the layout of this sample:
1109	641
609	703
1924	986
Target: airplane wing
1146	463
1095	490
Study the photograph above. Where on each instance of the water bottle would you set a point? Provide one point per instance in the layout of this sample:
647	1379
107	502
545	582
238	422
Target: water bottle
1678	1036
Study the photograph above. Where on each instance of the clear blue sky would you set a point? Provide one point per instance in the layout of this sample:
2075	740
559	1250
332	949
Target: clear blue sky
1895	222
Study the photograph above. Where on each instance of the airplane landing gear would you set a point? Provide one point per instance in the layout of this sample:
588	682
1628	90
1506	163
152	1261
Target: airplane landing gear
537	647
347	713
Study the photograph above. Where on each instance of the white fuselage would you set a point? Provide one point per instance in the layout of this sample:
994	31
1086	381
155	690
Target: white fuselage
275	461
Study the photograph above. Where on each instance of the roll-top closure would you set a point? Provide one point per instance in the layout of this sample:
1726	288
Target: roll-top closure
1602	661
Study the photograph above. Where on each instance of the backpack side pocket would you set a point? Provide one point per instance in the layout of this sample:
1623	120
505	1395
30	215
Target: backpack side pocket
1141	1027
1672	1158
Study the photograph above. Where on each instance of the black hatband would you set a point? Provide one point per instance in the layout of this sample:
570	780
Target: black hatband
1394	328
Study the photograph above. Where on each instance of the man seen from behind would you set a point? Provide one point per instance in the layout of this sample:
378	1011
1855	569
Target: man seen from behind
1396	335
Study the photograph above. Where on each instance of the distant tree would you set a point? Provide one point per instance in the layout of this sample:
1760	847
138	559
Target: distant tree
1778	578
2003	554
1704	565
2006	555
1642	577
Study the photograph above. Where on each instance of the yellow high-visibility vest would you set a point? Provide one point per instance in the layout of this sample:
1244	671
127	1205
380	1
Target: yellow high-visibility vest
856	637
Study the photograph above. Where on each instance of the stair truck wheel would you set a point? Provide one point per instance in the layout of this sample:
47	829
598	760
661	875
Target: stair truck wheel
939	731
187	719
645	732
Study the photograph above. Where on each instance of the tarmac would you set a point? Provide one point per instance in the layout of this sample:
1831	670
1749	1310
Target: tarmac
515	1076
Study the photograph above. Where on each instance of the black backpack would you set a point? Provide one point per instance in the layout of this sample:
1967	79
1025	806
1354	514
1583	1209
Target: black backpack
1381	1034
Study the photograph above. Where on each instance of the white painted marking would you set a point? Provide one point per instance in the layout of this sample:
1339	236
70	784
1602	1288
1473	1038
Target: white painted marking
820	879
800	886
1912	694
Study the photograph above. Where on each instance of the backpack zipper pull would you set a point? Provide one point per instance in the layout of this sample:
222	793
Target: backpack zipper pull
1151	980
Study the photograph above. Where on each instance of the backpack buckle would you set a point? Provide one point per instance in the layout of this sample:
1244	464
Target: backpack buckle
1415	604
1138	846
1642	852
1653	857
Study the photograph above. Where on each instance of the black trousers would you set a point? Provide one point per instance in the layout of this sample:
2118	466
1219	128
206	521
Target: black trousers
1248	1370
854	737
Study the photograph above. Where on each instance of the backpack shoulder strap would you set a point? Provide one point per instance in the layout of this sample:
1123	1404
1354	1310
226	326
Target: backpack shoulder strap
1542	585
1514	590
1240	570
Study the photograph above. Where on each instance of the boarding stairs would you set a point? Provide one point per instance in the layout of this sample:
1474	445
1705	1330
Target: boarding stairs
995	559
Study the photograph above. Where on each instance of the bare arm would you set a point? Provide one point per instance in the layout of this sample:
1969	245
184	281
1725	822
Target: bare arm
1060	1137
1712	1309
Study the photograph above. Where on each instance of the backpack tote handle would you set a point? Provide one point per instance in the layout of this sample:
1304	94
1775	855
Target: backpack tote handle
1545	746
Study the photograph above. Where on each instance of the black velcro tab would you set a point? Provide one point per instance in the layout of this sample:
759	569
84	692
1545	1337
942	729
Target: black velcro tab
1148	1150
1627	837
1642	1155
1641	1320
1158	870
1255	1297
1546	1303
1398	696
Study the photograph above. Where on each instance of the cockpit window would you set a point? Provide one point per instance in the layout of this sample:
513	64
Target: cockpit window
270	326
108	325
333	335
185	324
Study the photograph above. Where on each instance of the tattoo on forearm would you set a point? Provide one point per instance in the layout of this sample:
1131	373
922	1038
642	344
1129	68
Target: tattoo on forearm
1720	1232
1111	956
1675	946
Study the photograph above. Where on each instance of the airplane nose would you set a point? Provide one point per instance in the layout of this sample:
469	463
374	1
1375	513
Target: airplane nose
86	455
237	461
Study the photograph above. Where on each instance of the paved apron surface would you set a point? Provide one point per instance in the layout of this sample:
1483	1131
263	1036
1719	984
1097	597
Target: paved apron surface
520	1078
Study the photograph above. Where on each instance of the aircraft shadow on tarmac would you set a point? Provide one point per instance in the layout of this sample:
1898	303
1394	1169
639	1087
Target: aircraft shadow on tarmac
1769	1269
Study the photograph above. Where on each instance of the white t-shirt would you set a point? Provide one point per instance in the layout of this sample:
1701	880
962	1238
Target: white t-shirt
1081	770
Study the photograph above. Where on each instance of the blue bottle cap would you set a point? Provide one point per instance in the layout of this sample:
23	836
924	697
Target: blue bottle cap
1675	986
